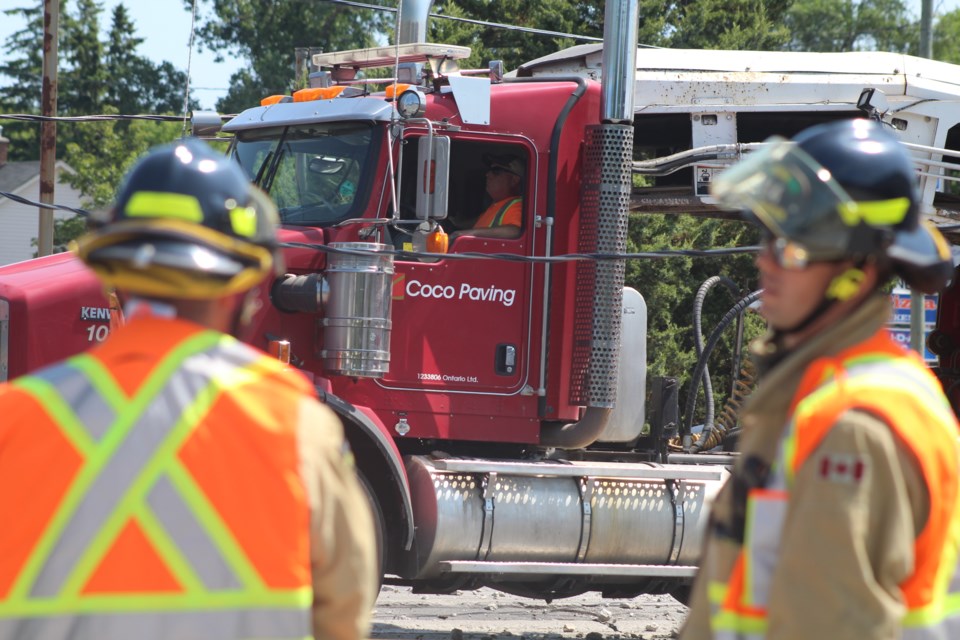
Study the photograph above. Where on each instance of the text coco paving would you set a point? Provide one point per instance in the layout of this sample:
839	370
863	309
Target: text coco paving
417	289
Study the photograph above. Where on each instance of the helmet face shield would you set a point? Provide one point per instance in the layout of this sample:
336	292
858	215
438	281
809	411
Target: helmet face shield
792	196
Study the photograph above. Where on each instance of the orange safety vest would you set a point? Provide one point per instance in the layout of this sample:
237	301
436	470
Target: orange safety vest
877	376
490	219
171	504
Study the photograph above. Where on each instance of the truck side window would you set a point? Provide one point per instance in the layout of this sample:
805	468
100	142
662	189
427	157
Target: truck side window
486	190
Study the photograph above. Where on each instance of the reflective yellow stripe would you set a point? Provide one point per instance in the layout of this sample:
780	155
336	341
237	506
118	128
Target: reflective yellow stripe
62	414
876	212
732	621
498	219
244	221
934	613
160	204
96	603
716	592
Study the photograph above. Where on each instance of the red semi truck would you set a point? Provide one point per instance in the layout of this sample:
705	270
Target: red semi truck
493	394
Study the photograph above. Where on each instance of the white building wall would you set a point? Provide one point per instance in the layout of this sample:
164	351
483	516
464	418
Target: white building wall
19	223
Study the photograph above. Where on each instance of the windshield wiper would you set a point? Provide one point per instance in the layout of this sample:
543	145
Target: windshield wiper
263	167
271	163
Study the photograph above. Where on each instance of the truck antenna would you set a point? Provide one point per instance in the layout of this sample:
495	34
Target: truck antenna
186	88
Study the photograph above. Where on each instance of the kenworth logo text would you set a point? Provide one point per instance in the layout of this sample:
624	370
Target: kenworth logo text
466	291
95	313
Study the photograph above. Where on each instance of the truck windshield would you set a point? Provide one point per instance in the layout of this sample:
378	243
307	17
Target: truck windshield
316	174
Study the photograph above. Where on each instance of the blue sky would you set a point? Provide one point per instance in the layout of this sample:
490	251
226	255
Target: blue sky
165	27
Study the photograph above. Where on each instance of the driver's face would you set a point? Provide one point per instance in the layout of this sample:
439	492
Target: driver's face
501	183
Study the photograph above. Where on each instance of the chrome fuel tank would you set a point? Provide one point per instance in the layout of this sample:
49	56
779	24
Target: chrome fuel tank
558	518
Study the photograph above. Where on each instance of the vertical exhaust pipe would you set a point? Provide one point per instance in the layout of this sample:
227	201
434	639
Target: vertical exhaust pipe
619	62
413	21
607	183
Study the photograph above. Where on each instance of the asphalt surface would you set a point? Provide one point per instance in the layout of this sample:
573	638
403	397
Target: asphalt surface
489	615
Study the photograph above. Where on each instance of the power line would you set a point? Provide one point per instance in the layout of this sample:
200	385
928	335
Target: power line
42	205
499	25
29	117
562	258
471	255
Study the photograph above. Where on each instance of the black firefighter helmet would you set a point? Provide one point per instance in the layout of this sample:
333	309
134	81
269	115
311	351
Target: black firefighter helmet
187	223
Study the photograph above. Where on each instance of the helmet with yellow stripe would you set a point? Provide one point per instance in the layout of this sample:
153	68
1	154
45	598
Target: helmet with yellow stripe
187	223
841	190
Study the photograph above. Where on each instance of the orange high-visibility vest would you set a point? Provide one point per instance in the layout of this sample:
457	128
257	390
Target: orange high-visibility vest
151	490
508	213
880	377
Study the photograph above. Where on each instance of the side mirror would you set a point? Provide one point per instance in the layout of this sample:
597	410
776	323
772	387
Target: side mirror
205	124
326	166
873	103
433	177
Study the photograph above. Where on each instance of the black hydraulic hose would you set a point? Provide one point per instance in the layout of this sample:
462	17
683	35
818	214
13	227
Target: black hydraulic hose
712	341
708	284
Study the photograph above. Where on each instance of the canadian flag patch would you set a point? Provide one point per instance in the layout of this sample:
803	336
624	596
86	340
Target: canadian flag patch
846	468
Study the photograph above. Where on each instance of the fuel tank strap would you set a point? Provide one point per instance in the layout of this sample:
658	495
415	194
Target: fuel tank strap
586	486
486	535
678	521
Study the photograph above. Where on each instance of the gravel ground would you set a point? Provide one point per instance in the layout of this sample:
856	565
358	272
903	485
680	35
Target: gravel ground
488	615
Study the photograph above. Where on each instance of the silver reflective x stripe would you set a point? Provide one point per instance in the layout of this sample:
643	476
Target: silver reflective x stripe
184	625
112	484
947	629
94	413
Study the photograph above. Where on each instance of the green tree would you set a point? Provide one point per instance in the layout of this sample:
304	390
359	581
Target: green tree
82	76
515	47
669	288
266	34
21	93
848	25
122	64
64	232
727	24
946	37
100	154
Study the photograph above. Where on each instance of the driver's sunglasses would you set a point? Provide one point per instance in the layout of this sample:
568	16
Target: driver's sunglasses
500	170
786	254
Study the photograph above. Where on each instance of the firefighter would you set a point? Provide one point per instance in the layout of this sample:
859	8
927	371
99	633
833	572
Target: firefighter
841	517
174	482
504	184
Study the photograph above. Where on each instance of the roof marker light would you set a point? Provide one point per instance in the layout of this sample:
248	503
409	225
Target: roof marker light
275	99
317	93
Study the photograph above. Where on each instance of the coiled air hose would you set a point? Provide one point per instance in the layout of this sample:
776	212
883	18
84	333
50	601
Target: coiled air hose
708	284
711	344
727	421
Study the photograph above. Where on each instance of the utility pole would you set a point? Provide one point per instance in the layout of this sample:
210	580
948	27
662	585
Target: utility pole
917	305
48	128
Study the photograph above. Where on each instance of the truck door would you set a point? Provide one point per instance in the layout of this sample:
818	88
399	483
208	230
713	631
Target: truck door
463	325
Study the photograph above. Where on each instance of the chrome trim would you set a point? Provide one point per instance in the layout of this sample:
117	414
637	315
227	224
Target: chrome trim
569	568
576	469
312	112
